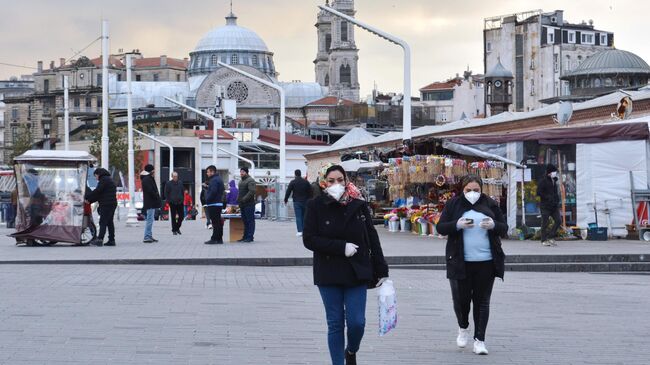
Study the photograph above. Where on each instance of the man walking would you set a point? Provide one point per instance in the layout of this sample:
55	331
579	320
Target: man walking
214	204
105	195
151	201
246	201
175	198
301	190
547	190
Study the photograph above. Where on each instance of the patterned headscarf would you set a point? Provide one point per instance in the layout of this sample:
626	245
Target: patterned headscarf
351	191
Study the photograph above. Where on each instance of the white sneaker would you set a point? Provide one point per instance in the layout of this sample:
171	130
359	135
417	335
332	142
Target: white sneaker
209	226
479	348
552	242
299	234
463	337
546	243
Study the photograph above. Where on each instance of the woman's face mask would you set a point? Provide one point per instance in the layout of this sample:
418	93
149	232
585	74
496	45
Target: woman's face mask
336	191
472	196
553	174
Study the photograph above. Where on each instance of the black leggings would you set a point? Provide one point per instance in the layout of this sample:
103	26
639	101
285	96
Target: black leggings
476	288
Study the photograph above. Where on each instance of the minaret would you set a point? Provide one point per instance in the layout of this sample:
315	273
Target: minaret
344	55
324	32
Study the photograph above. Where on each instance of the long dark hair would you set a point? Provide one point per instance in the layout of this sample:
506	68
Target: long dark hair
470	179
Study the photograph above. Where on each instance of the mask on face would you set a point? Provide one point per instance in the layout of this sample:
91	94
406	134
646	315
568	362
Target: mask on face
553	174
472	196
336	191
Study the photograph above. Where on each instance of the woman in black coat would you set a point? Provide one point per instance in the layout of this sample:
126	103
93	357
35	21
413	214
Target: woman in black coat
473	223
347	260
105	195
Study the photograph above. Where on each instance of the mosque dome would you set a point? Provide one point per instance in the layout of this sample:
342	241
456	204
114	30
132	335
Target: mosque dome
612	61
231	37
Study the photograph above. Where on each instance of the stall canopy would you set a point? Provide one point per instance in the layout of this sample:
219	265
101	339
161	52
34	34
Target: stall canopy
469	151
54	155
356	165
355	137
572	135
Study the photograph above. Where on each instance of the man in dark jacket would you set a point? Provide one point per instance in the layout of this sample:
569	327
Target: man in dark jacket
174	196
214	204
246	201
150	201
105	195
301	191
547	190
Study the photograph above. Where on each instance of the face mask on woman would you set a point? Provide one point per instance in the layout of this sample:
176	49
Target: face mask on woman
472	196
553	175
336	191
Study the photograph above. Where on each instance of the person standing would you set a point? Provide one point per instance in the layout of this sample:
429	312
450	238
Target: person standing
231	197
175	198
301	191
246	201
188	204
348	259
151	201
473	224
105	195
214	204
547	190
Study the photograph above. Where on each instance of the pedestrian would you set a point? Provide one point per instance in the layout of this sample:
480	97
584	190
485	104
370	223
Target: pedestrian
301	190
547	190
105	195
188	203
473	224
231	197
14	208
151	201
348	259
175	198
246	201
214	204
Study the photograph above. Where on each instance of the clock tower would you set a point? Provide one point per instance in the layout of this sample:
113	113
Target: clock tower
498	89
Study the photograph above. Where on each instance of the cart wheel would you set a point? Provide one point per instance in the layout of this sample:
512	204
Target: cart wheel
88	234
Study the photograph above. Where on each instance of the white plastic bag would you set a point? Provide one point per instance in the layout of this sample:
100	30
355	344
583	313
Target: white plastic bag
387	302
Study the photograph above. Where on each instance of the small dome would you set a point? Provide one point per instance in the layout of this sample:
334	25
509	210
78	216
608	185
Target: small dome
499	72
612	61
231	37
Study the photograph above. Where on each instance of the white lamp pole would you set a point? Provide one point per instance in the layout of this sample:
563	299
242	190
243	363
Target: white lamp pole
406	131
132	215
283	137
105	51
66	114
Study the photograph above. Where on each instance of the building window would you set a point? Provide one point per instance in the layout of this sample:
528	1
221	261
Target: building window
603	39
532	86
234	59
327	80
89	102
77	103
156	77
178	77
556	62
572	37
344	31
587	38
551	36
14	113
608	82
597	82
328	41
346	74
119	77
138	78
99	102
46	86
568	63
214	59
99	79
256	60
488	47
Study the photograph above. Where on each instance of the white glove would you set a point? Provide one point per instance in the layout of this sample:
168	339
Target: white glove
381	281
464	223
350	249
487	223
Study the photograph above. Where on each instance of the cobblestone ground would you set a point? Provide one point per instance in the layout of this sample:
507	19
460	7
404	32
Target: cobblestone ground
69	314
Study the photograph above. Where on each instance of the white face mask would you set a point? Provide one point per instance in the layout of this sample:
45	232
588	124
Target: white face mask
336	191
553	174
472	196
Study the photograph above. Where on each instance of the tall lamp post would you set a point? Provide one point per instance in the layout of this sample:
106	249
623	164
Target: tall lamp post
132	215
105	55
406	131
283	137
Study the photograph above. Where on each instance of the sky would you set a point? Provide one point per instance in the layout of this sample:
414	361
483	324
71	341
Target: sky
445	36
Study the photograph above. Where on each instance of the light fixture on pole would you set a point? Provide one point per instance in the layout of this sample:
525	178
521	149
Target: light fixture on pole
406	131
171	149
105	54
283	137
132	215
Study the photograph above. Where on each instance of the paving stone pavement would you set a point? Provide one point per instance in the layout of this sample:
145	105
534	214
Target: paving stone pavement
83	314
273	240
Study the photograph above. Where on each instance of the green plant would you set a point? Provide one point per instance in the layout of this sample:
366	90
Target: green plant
21	143
530	192
119	146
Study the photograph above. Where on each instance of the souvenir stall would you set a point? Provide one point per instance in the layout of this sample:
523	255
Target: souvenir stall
420	186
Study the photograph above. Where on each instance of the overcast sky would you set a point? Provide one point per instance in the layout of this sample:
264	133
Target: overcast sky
445	36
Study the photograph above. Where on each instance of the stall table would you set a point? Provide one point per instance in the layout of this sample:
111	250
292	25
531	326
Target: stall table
236	230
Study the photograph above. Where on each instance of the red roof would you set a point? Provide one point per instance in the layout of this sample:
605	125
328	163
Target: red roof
441	85
331	101
112	61
273	137
155	62
207	134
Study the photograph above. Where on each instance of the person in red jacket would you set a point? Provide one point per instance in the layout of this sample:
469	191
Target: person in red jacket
187	203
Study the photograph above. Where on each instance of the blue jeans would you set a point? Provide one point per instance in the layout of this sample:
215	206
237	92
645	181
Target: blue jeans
344	306
248	216
148	226
299	209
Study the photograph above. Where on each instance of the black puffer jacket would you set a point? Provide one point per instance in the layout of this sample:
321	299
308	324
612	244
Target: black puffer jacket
455	252
328	227
105	192
150	193
548	193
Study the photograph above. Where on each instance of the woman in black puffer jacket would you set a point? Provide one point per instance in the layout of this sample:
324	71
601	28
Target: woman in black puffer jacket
347	260
473	223
105	195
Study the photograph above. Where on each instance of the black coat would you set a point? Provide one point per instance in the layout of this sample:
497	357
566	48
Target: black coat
174	192
548	193
300	188
150	194
105	192
328	227
455	250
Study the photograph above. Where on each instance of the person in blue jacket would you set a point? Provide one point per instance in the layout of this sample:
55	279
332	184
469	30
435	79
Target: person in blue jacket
214	204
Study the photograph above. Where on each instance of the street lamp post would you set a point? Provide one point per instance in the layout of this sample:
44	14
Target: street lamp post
105	55
66	114
283	137
406	131
132	215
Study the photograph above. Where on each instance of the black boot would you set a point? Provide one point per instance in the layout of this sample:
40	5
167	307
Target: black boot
97	242
110	243
350	358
